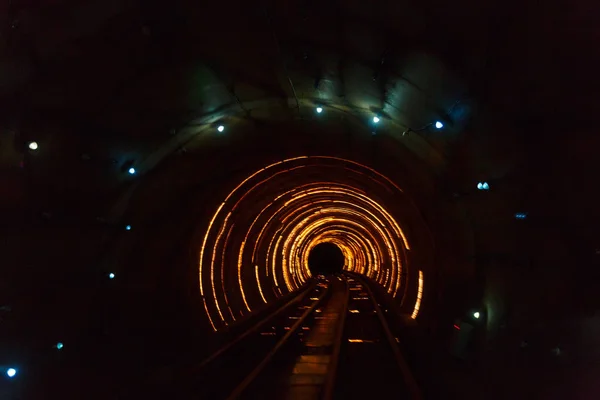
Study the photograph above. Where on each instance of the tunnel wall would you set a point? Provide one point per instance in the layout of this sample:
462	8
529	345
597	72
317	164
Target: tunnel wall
198	188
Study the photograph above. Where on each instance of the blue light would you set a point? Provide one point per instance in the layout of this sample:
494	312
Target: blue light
128	227
480	186
111	276
486	186
521	215
439	124
131	171
11	372
59	345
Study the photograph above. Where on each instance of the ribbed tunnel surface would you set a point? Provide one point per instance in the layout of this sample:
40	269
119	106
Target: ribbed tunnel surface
261	236
131	237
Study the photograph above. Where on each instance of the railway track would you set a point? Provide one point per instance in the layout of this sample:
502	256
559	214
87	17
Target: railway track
331	342
348	353
372	366
216	375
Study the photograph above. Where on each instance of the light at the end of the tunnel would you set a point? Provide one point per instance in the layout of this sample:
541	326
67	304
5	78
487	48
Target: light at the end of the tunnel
376	119
319	110
11	372
111	276
59	345
127	227
131	171
221	128
439	124
33	146
476	314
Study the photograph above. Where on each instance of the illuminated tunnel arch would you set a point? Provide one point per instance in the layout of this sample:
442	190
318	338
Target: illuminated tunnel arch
256	246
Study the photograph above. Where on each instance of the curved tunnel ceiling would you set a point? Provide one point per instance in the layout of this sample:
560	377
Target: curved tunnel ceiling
139	84
103	86
164	79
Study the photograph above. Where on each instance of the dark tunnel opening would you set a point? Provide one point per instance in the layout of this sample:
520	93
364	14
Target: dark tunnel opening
325	259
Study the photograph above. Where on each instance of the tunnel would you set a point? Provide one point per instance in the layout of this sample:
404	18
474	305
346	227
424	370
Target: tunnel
173	174
275	218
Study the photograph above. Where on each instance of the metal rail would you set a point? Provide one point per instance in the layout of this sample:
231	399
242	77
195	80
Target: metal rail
254	328
258	369
409	379
199	367
328	389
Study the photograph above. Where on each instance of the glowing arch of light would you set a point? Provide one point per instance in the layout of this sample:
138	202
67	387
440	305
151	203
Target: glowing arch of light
273	245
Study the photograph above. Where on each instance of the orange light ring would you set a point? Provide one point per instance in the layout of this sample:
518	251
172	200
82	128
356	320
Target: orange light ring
223	272
388	243
295	284
395	252
214	254
346	223
352	245
394	276
391	248
284	221
349	237
278	211
369	201
267	257
263	182
345	226
294	245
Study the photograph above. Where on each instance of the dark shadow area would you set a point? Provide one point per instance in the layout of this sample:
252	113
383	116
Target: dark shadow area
325	259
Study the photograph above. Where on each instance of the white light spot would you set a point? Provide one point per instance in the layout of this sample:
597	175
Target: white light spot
132	171
480	186
221	128
319	110
476	314
556	351
11	372
439	124
376	119
33	145
111	276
